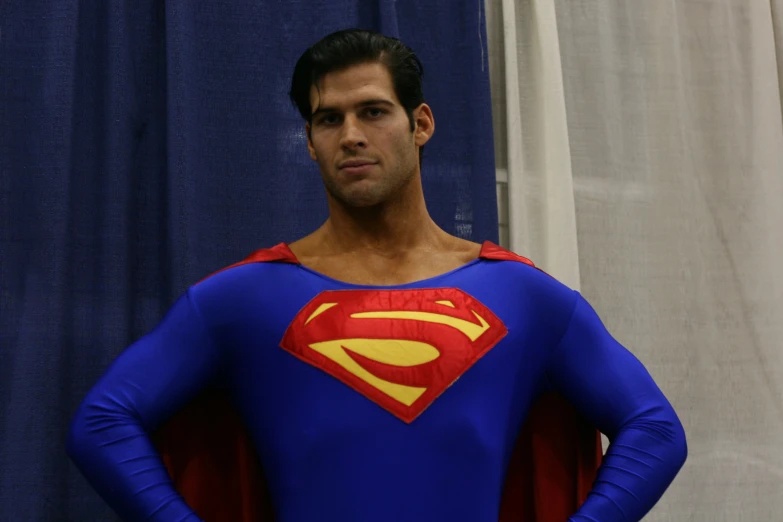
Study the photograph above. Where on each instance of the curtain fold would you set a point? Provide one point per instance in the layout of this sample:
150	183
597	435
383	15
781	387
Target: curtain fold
536	155
673	128
146	144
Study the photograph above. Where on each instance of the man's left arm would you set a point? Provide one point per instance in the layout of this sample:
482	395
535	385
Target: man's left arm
614	391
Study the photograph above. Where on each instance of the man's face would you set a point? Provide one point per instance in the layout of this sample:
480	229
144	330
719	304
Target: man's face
360	135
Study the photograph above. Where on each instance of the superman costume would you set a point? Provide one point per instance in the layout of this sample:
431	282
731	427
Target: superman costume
445	399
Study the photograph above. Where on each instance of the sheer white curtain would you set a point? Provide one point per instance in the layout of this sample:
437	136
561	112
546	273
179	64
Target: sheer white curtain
640	158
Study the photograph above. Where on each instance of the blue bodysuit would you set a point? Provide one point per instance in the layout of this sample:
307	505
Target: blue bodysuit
376	404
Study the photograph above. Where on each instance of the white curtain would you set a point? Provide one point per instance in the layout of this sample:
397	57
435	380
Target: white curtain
639	147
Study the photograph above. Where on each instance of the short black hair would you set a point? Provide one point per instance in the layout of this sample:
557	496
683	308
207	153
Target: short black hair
349	47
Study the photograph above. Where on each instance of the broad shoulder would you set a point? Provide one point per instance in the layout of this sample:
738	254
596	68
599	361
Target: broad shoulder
520	275
260	267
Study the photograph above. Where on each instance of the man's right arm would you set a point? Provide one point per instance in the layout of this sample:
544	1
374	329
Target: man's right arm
150	381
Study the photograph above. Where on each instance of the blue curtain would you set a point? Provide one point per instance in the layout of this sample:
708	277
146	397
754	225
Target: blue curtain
146	144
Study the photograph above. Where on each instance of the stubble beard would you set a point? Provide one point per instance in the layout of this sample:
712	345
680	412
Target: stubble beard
370	192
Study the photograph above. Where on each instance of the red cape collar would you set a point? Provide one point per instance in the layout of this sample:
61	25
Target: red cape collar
281	253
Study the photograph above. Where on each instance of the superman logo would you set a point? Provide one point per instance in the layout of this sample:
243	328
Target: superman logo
399	348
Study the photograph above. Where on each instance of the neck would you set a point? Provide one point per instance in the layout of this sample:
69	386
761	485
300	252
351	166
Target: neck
389	229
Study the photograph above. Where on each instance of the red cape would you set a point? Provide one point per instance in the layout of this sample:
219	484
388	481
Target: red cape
216	469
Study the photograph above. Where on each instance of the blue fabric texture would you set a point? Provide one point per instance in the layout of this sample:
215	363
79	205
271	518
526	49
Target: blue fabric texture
333	453
145	144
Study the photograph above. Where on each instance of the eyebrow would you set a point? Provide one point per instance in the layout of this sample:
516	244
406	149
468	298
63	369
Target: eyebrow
365	103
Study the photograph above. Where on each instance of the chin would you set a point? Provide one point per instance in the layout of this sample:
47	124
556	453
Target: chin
361	201
360	198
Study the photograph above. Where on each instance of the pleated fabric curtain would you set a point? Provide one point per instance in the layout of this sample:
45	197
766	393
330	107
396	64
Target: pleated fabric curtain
641	145
146	144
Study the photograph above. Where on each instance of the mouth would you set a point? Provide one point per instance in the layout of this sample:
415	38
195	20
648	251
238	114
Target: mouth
357	168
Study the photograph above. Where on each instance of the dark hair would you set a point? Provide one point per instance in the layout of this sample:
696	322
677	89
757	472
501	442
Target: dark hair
349	47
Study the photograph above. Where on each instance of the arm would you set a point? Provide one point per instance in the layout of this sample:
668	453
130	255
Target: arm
109	435
612	389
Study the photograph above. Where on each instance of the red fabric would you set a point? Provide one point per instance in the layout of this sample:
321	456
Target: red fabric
342	320
212	462
278	253
214	466
490	250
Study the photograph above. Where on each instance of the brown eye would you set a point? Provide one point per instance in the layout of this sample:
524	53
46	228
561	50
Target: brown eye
375	112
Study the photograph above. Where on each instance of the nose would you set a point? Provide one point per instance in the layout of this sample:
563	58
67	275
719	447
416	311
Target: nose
352	135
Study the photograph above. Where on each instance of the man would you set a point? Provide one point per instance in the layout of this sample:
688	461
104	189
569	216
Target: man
383	368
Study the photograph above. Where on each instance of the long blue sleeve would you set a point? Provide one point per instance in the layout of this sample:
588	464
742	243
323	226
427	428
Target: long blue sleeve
308	362
615	392
146	384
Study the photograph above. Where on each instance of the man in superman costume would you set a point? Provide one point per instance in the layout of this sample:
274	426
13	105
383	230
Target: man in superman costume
378	369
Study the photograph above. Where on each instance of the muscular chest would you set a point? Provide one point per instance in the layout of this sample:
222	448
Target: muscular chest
354	363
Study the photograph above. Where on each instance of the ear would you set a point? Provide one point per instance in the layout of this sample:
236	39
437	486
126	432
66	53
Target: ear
425	124
310	147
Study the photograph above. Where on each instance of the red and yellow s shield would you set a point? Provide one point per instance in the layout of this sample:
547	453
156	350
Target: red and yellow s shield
399	348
